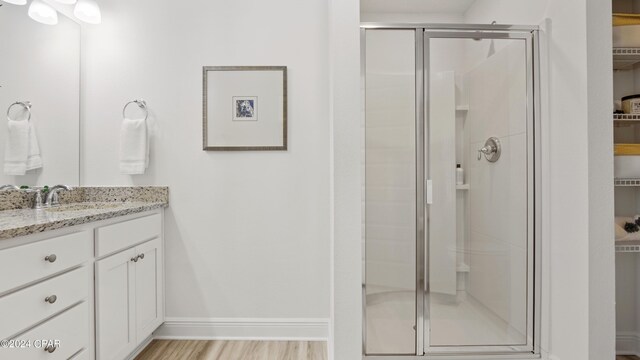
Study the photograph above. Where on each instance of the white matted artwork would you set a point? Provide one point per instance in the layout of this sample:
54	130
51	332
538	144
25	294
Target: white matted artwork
244	108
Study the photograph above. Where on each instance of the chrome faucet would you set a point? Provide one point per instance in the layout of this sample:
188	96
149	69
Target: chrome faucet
9	187
52	195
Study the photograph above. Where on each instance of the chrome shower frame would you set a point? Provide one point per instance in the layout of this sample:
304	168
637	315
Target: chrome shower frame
423	34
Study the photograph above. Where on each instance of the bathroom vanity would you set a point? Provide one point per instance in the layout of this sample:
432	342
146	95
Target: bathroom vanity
83	280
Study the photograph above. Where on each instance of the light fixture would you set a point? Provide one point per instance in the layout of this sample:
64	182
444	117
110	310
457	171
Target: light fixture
16	2
88	11
66	2
43	13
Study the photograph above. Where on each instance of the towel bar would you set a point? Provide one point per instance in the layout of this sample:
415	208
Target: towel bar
25	104
141	104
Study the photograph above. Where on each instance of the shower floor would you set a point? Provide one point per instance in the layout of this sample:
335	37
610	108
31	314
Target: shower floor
459	321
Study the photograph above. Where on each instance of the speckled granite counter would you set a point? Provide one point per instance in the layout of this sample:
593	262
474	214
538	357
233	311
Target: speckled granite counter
79	206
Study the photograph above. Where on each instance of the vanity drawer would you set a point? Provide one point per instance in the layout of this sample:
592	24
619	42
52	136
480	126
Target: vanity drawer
27	307
23	264
70	329
113	238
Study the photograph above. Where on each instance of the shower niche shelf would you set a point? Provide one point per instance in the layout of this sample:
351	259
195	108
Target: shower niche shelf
462	187
462	108
625	58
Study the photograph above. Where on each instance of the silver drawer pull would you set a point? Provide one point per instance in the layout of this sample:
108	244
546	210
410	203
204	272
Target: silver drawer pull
51	299
134	259
51	258
50	349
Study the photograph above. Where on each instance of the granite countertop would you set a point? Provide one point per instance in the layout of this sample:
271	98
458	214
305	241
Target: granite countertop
89	205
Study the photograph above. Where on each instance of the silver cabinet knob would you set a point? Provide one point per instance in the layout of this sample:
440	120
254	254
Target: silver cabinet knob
134	259
141	256
50	349
51	299
51	258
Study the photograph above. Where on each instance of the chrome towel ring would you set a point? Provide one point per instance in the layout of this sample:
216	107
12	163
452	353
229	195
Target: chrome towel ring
141	104
25	104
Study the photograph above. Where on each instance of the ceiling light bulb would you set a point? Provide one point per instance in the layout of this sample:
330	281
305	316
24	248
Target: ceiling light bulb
88	11
16	2
67	2
43	13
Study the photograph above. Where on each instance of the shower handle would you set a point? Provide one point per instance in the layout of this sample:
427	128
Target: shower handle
491	150
487	150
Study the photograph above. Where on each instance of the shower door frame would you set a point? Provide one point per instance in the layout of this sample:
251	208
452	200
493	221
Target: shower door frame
423	34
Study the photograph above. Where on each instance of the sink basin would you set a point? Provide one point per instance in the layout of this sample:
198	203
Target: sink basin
81	207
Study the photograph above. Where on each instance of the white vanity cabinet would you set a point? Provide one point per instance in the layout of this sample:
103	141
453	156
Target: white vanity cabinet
96	288
129	286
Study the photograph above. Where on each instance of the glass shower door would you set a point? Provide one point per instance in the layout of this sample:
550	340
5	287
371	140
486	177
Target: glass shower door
449	268
479	258
390	192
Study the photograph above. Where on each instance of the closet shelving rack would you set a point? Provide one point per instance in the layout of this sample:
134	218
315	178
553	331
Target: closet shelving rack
622	119
627	248
625	58
627	182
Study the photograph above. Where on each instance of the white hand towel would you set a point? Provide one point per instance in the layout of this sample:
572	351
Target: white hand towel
17	148
34	160
134	147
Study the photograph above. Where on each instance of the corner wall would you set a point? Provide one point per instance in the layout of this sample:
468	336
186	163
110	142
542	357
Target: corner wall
345	342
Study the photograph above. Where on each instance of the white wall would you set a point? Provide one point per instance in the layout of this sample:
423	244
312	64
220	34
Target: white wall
42	65
346	199
247	233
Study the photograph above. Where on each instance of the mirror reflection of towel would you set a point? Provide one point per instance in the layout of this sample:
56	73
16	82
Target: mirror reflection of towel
22	152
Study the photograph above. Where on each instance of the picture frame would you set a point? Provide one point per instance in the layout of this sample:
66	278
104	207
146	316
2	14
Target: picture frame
244	108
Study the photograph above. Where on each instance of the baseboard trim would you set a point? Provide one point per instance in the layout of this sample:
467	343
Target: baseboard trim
628	343
243	329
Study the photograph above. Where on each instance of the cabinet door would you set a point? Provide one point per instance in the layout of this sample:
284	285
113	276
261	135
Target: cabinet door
115	317
149	299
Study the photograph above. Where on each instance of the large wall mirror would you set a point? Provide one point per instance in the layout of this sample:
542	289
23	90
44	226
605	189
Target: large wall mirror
40	96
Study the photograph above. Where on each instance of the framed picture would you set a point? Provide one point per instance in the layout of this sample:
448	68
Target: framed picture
244	108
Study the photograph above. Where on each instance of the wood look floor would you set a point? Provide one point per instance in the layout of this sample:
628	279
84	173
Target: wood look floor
234	350
627	357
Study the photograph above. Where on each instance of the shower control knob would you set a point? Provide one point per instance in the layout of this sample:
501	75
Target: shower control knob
491	150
